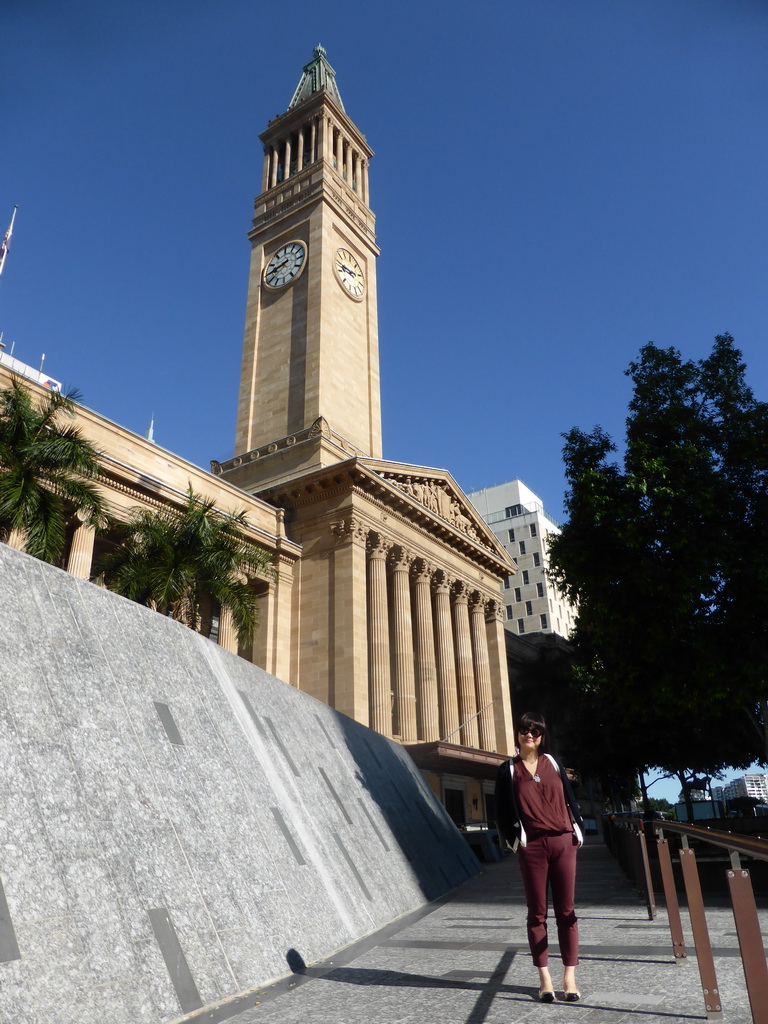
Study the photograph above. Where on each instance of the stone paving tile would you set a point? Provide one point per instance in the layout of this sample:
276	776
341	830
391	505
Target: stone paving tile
466	962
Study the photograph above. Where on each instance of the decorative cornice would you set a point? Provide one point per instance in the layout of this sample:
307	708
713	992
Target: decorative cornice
320	428
300	189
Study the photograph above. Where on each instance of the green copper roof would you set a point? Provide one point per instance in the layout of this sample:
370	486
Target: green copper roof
317	75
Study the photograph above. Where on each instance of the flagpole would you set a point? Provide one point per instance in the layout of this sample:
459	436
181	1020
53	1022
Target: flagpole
7	240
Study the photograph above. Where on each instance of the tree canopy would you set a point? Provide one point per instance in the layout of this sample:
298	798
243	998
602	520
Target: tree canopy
174	558
46	468
666	555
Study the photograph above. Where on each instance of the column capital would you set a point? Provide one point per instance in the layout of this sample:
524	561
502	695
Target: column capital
460	592
399	559
378	546
494	610
351	528
442	582
422	570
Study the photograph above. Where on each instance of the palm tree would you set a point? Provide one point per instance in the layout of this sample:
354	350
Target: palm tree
45	469
173	558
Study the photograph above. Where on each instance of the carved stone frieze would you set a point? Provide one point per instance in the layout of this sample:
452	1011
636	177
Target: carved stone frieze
437	497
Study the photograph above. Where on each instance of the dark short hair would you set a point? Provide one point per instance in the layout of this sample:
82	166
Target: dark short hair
533	718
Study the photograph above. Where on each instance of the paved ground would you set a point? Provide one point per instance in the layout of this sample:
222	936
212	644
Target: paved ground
465	961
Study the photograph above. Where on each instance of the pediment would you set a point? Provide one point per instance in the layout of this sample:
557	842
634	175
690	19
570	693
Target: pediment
438	493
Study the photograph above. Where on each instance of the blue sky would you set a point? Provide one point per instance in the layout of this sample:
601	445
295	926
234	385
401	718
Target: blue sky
556	182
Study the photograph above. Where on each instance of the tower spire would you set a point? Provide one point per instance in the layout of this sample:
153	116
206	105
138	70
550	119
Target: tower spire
317	75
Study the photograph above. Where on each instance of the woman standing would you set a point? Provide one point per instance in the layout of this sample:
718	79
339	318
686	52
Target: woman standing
538	815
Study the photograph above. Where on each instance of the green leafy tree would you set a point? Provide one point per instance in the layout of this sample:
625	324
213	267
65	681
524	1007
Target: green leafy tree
46	468
175	558
667	558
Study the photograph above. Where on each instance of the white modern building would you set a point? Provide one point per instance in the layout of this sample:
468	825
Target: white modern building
521	523
748	785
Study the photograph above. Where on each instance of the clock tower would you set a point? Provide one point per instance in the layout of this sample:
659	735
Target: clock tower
397	615
309	386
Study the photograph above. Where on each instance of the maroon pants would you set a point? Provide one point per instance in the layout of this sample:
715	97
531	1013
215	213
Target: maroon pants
551	859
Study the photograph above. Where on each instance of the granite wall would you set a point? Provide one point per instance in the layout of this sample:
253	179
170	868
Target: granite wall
175	822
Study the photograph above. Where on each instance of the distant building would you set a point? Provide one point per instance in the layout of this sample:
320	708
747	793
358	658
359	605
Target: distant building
522	525
748	785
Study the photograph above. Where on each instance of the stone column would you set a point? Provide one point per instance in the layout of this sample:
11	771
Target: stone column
380	687
313	141
446	661
497	658
81	551
348	655
402	648
265	173
356	182
282	655
428	721
300	151
486	731
340	154
365	183
464	667
227	634
287	159
350	173
275	162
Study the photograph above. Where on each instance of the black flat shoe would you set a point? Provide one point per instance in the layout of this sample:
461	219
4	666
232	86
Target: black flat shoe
572	997
546	997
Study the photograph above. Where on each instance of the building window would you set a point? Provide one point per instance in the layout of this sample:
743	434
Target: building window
539	590
533	529
522	547
525	577
514	560
528	608
521	625
536	559
506	583
543	621
518	595
509	611
511	535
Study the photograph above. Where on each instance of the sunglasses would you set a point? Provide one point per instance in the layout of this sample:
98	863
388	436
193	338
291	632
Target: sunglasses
532	730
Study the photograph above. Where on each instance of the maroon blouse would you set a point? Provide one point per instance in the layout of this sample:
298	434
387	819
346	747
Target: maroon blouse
541	804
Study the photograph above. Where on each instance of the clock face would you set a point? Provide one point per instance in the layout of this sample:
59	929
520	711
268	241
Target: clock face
349	273
285	265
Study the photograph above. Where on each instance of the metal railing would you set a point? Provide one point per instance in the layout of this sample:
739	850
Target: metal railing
627	838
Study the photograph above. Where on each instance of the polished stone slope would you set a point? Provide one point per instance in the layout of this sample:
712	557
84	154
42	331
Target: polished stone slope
177	825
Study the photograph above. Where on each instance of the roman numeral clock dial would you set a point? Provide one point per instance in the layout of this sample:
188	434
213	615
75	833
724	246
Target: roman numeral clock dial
285	265
349	274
